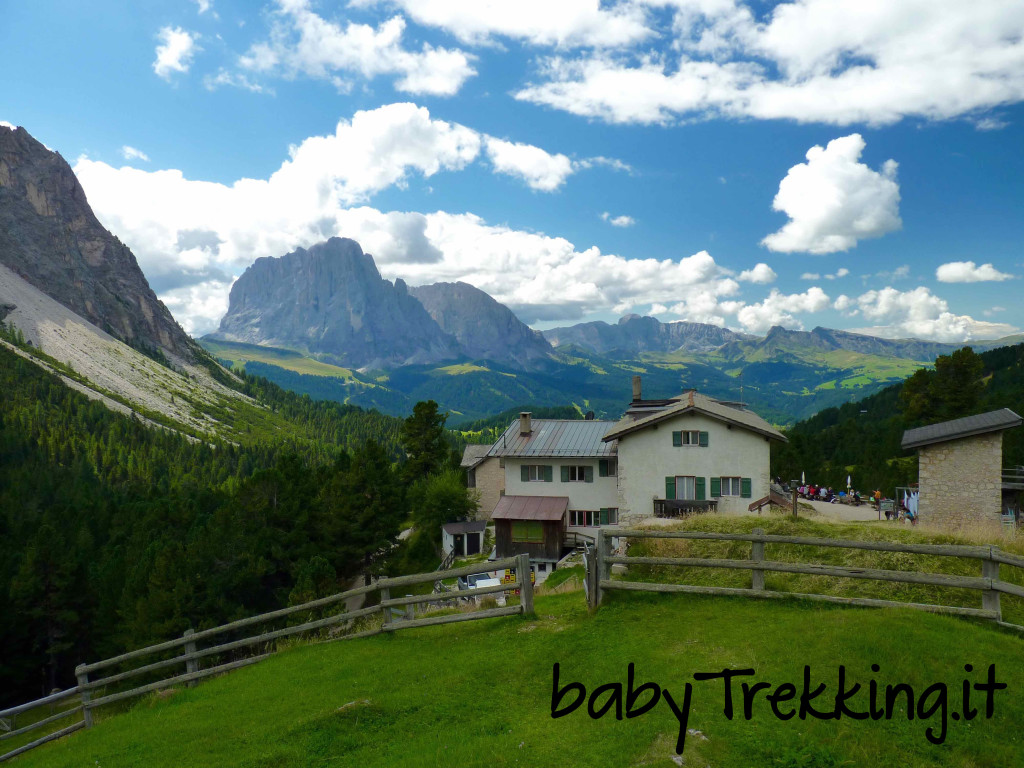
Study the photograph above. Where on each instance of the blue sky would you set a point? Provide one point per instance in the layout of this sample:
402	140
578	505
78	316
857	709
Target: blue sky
806	163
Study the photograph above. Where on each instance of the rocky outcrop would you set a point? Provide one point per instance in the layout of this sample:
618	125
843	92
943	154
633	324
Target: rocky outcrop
50	237
634	334
485	329
330	302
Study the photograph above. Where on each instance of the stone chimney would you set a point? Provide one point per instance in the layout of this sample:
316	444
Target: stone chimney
637	396
525	423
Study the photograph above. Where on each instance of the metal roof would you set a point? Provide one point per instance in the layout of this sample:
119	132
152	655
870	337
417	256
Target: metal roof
993	421
693	401
473	526
473	454
551	438
530	508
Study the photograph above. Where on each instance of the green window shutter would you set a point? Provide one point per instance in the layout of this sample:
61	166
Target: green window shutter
524	472
588	474
604	515
549	473
677	439
602	468
565	474
745	487
716	486
703	439
698	484
670	487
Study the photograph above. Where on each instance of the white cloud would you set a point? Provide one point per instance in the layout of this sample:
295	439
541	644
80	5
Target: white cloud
900	273
204	5
234	79
778	309
811	276
303	42
831	61
175	52
761	274
833	200
193	237
131	153
618	221
539	169
842	272
5	124
921	314
536	22
969	272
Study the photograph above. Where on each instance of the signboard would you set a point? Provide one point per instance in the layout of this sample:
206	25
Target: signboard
887	505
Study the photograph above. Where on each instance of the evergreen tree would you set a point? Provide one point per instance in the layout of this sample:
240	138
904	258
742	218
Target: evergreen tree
425	441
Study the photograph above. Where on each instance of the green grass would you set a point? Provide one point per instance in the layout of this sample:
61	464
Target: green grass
479	694
458	369
240	354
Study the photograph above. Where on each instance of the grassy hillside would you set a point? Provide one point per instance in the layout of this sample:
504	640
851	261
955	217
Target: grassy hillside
480	694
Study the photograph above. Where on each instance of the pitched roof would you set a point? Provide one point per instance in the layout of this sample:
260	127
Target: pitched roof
993	421
556	437
695	402
530	508
473	454
473	526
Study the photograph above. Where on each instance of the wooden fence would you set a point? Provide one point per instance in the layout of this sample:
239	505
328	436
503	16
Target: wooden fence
398	613
988	583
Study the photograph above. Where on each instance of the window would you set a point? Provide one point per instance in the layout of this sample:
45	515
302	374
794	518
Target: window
685	488
592	518
542	567
607	467
528	531
535	473
577	474
690	438
609	516
730	486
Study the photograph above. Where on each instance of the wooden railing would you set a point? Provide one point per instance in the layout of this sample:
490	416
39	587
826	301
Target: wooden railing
989	583
398	613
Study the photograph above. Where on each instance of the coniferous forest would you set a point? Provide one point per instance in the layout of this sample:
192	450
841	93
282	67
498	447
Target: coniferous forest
114	534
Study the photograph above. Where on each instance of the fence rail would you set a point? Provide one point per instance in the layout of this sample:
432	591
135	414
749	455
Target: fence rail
988	583
93	693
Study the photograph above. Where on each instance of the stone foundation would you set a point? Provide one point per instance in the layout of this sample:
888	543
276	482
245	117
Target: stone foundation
961	481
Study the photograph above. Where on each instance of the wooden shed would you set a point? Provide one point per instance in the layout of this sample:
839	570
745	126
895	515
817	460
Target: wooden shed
463	539
534	525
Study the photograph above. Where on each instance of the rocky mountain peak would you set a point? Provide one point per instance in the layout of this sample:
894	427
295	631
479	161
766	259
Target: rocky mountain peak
50	237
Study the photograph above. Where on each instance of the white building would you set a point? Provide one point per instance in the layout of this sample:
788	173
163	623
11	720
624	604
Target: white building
663	458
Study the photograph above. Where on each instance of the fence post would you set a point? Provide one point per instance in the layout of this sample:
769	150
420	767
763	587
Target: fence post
603	547
757	555
525	584
990	597
410	610
385	594
83	692
191	662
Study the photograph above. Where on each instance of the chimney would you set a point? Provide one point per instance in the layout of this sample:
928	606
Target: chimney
636	389
525	423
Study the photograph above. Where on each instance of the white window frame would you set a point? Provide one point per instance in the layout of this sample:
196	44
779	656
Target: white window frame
691	438
535	473
577	473
686	483
731	486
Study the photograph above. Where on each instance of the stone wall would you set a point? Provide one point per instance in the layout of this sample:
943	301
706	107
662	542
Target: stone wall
961	481
490	483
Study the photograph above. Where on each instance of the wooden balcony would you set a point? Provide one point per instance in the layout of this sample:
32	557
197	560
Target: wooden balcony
683	507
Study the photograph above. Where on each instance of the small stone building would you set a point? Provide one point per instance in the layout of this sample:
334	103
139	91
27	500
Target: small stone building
960	467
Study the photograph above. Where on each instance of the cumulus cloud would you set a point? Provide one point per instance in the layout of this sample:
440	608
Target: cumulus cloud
831	61
780	309
761	273
833	200
539	169
969	272
536	22
175	52
302	42
131	153
193	237
618	221
921	314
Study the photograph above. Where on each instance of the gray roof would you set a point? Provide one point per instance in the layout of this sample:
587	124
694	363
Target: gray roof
695	402
473	526
551	438
993	421
473	454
